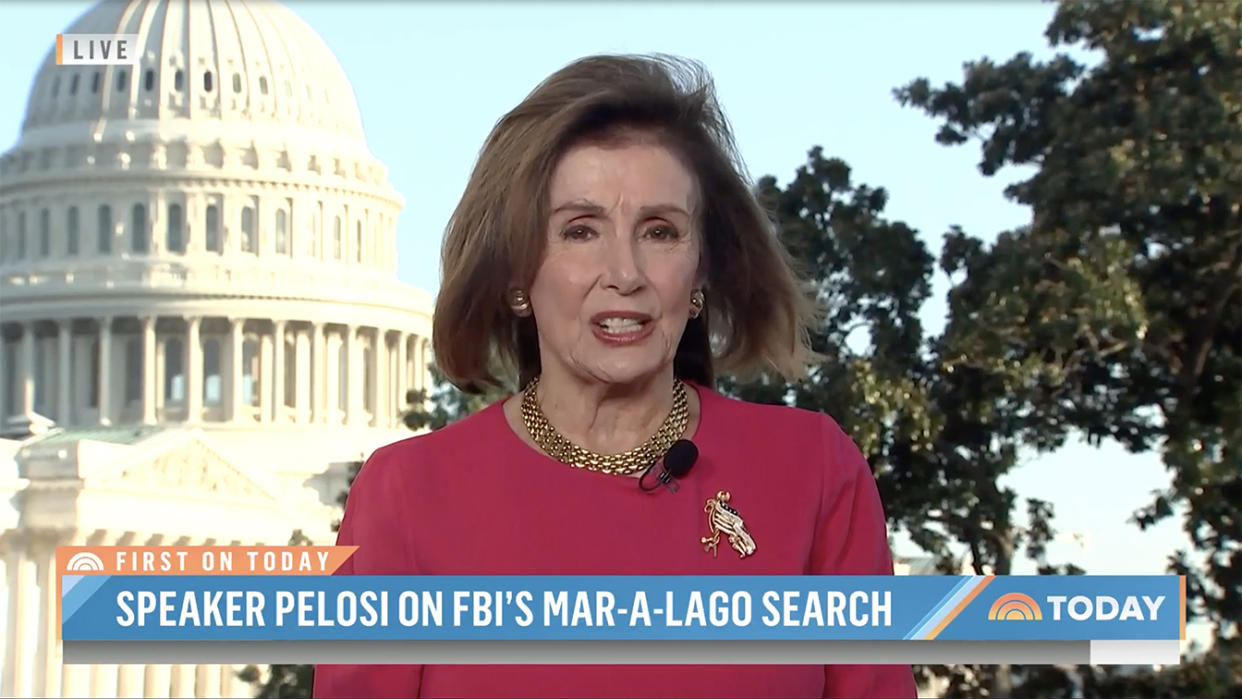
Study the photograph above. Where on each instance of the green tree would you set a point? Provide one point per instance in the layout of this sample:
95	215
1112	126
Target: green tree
937	440
444	403
1115	314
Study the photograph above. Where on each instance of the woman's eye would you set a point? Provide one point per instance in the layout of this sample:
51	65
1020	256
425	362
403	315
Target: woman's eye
662	232
577	233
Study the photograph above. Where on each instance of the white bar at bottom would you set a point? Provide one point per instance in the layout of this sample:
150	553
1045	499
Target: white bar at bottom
1136	652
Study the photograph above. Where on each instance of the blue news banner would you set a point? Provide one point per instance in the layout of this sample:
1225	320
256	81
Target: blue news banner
639	607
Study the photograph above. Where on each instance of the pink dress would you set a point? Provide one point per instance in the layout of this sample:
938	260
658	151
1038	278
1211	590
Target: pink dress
473	499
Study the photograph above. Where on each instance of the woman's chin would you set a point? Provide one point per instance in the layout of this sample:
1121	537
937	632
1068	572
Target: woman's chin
627	372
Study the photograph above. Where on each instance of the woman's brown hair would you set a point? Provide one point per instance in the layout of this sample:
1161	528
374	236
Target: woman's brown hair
756	313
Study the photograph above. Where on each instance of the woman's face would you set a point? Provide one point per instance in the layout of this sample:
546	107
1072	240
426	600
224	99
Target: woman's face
612	294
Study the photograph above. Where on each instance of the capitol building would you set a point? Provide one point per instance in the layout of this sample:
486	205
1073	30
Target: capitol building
201	326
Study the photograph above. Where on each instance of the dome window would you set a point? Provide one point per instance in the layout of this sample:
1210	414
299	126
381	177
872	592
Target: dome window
282	232
95	83
138	234
236	82
105	229
176	239
45	233
212	233
56	86
21	235
122	77
262	84
73	84
336	239
148	80
207	81
178	77
249	240
71	244
288	89
358	242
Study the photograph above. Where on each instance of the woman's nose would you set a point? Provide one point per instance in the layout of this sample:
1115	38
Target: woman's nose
621	266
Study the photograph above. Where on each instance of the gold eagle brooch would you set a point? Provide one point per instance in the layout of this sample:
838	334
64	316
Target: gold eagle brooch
722	518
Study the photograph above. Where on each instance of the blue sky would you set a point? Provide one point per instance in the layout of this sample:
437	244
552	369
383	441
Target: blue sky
432	78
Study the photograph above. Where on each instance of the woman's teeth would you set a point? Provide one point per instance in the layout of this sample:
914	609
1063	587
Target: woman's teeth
620	325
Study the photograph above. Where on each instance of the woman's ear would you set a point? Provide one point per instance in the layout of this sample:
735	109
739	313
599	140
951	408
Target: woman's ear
700	276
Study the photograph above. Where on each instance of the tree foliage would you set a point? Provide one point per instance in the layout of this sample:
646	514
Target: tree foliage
937	440
444	403
1115	314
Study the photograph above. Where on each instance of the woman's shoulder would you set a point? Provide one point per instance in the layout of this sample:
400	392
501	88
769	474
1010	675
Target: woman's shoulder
475	431
804	436
767	419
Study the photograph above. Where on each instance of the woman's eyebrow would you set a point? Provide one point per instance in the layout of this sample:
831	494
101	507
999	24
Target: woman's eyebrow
585	206
658	209
589	207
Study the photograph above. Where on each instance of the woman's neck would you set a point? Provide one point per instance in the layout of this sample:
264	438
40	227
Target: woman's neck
605	418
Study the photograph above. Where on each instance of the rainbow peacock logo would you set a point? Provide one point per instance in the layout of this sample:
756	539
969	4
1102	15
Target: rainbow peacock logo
1014	606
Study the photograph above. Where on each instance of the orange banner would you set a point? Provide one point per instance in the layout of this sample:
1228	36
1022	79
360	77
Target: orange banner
201	560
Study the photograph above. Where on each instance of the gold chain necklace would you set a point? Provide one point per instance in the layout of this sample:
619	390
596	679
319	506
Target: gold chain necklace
625	463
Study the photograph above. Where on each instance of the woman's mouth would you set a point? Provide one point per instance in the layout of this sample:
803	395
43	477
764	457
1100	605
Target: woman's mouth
621	328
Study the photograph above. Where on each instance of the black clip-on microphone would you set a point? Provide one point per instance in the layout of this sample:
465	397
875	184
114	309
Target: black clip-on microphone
678	460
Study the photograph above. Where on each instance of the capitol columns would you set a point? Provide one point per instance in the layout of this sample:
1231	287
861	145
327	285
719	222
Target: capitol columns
193	371
207	679
318	368
379	398
420	366
4	384
64	345
21	622
26	384
278	370
105	370
47	650
148	370
402	379
234	382
353	372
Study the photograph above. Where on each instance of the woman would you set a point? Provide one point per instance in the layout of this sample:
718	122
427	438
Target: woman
606	233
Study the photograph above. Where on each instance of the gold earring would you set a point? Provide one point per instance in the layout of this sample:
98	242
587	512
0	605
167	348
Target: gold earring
519	303
697	302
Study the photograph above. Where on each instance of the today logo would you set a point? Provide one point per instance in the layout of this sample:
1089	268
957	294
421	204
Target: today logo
1015	606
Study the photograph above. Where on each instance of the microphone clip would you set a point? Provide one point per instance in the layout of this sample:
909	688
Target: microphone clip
676	463
664	478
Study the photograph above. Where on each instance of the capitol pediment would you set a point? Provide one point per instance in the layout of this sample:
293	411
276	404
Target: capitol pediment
190	468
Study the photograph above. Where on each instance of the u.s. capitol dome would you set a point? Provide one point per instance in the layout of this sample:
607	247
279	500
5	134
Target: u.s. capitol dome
201	324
